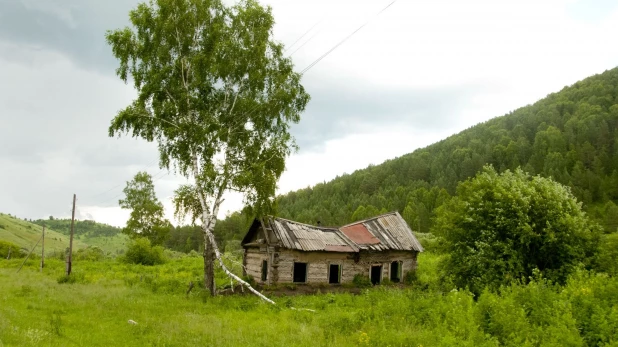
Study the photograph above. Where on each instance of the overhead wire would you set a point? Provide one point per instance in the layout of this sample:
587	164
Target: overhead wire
307	68
301	36
345	39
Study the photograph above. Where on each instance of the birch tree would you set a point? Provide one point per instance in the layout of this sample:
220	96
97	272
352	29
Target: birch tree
216	94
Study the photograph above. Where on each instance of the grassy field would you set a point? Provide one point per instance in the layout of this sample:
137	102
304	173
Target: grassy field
25	235
37	310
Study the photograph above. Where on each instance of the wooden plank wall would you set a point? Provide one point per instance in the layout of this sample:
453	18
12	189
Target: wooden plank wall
318	263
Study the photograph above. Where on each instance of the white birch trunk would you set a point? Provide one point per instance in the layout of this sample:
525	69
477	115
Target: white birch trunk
208	226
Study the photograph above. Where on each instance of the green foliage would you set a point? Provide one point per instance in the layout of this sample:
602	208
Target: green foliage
15	250
501	227
146	219
140	251
55	324
210	81
84	227
217	94
89	253
74	277
410	277
607	260
583	312
361	281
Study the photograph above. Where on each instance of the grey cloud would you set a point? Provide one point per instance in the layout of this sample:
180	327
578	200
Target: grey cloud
337	109
74	27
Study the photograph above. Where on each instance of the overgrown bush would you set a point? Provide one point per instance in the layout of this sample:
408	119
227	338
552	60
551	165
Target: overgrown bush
361	281
502	226
15	250
92	253
141	251
410	277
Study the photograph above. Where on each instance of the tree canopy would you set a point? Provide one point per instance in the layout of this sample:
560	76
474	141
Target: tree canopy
147	214
217	94
500	228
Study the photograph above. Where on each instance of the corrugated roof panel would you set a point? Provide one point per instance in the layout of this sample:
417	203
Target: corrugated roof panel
359	234
380	233
332	248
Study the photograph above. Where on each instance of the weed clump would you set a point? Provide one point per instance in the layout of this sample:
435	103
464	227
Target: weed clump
361	281
140	251
75	277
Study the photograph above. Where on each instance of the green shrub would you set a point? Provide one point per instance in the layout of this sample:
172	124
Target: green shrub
608	255
410	277
15	250
140	251
92	253
194	254
387	282
361	281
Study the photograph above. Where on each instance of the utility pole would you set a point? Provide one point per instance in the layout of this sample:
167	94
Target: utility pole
43	249
70	257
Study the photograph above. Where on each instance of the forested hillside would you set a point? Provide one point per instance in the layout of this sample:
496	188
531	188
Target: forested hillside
569	135
80	227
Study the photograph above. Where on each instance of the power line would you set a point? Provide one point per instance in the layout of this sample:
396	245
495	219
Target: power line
301	46
344	40
330	50
300	38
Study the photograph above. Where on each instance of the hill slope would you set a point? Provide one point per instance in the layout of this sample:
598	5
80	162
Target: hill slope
569	135
26	234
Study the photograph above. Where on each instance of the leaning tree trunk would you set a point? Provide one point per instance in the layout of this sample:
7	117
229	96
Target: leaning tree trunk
208	224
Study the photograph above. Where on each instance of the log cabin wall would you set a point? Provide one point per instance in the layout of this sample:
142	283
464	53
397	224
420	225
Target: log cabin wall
318	264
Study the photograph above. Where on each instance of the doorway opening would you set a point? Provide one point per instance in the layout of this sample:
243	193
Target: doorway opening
300	272
334	274
396	271
264	270
376	274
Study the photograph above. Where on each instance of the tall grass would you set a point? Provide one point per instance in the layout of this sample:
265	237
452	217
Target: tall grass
37	310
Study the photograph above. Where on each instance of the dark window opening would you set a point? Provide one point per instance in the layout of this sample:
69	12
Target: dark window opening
334	274
300	272
396	271
376	274
264	270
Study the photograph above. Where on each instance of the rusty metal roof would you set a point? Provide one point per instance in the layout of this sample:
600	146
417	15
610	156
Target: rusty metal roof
390	230
385	232
305	237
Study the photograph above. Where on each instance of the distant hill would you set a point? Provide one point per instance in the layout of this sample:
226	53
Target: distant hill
88	228
570	135
87	233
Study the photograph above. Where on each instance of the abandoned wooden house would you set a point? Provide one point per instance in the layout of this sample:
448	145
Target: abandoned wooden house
284	251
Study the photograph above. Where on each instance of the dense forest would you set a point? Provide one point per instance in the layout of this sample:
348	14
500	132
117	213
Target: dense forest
570	136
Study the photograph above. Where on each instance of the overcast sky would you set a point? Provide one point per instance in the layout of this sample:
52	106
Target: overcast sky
417	73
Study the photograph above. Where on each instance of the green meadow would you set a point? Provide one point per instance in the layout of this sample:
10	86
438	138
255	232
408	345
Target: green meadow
41	308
